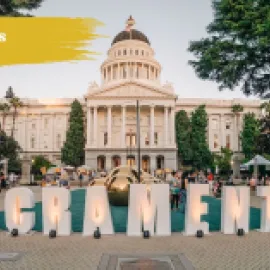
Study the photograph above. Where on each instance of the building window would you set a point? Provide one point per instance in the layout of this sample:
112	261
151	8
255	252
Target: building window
228	125
214	124
119	52
156	138
131	52
228	141
137	52
105	138
58	141
131	139
33	142
142	53
33	126
146	140
124	72
215	141
125	52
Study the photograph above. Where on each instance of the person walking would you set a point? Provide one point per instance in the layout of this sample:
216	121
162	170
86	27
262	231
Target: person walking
80	179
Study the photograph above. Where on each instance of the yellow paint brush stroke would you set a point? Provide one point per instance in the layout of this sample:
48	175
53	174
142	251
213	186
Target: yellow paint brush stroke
46	40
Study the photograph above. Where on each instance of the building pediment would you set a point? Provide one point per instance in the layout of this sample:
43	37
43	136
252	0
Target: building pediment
131	90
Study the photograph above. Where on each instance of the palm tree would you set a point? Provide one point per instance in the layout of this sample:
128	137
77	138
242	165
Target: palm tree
15	103
4	109
236	110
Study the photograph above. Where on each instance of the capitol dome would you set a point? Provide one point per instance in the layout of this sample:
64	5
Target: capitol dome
133	34
130	34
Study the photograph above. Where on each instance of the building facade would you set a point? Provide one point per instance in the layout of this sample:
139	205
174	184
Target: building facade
129	74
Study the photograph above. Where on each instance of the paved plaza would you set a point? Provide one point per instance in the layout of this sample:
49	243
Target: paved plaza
216	251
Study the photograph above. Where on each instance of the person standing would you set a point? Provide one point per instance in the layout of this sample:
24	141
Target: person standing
175	190
11	179
210	179
80	179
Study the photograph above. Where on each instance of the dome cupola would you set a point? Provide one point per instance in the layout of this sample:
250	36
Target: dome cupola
130	34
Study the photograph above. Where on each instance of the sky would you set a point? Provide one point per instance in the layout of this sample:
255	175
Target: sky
169	25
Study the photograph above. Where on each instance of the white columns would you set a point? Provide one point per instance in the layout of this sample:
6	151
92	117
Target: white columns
235	137
152	126
95	127
221	131
89	123
172	126
123	137
152	163
165	126
109	125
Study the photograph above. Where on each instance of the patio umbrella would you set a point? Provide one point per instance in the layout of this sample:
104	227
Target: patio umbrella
257	161
69	168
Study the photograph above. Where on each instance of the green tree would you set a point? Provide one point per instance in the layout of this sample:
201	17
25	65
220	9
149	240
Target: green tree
4	110
15	104
183	132
73	150
249	135
263	142
201	156
12	7
223	161
40	162
236	52
237	109
9	148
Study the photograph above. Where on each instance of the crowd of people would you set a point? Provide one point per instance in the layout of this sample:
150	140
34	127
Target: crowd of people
64	178
178	185
8	181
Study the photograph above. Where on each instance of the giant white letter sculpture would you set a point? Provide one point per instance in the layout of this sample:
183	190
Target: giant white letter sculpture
55	205
17	198
235	209
264	192
97	211
148	207
195	208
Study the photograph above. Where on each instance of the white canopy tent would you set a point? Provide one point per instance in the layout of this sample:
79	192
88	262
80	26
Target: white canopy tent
257	161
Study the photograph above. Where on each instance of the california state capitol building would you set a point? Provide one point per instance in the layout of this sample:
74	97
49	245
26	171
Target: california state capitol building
129	73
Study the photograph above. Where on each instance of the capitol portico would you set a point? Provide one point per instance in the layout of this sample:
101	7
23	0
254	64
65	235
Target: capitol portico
129	73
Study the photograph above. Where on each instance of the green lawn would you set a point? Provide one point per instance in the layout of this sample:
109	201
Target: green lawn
119	215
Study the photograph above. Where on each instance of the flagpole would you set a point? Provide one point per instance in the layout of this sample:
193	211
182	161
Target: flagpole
138	140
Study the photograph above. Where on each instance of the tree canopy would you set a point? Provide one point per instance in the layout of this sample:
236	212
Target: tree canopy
201	155
223	161
250	134
13	7
9	148
72	152
40	162
183	140
236	52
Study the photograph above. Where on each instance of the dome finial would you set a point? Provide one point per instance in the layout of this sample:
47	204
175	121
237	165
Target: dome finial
130	23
